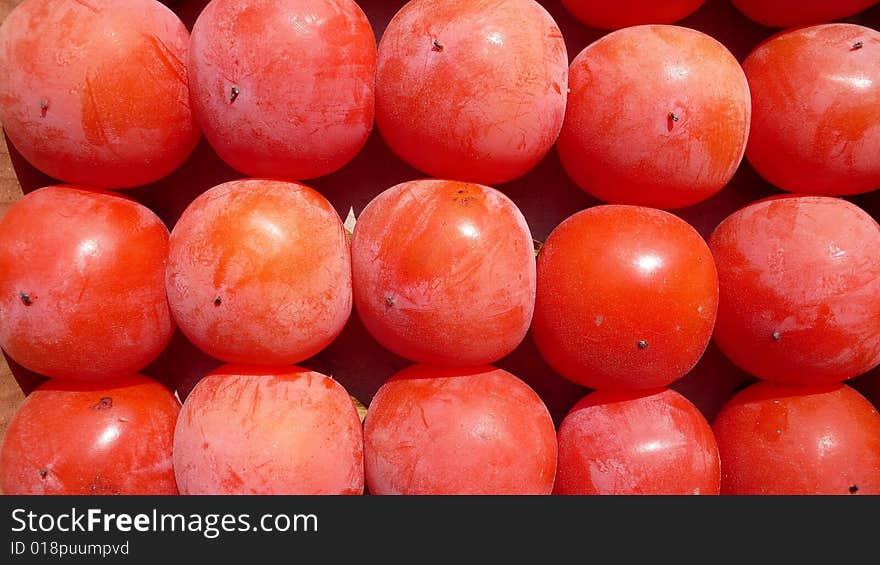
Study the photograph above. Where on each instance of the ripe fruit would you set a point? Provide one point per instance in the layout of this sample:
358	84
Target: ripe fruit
626	298
816	109
790	13
263	430
821	439
432	430
472	91
284	88
648	442
642	127
112	437
259	272
625	13
91	95
800	289
82	293
444	272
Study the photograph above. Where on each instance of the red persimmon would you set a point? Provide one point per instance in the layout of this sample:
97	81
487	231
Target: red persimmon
626	298
82	293
112	437
821	439
284	88
651	442
259	271
444	272
91	94
799	289
263	430
432	430
816	109
625	13
471	91
790	13
641	125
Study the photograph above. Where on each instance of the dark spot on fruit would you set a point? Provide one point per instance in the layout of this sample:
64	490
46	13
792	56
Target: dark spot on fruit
671	118
853	489
234	94
25	298
389	301
643	344
45	472
776	335
218	301
436	46
857	45
104	404
44	106
557	88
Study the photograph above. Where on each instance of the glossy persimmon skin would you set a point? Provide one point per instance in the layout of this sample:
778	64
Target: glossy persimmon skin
816	106
800	289
259	272
82	293
265	430
625	13
820	439
108	437
472	91
647	442
626	298
91	95
284	88
479	430
641	126
444	272
790	13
